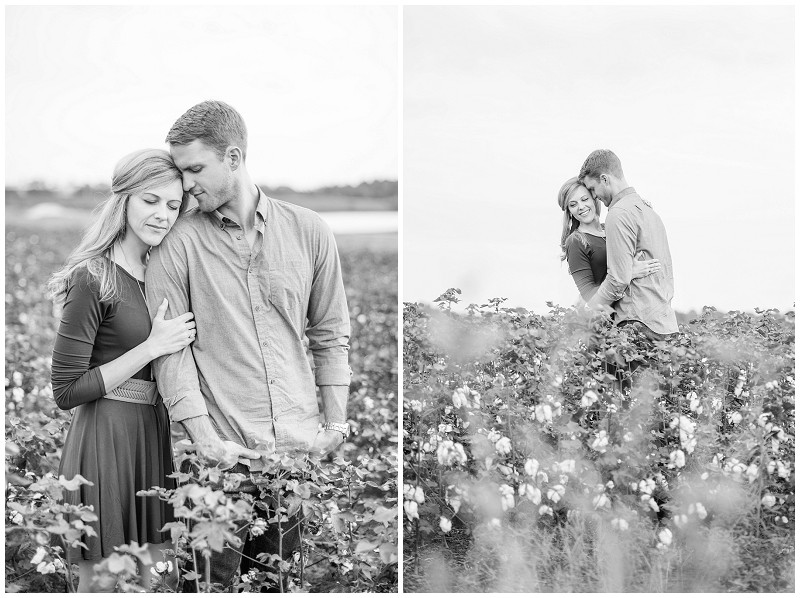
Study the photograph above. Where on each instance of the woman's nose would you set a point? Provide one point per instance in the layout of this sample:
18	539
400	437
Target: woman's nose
162	211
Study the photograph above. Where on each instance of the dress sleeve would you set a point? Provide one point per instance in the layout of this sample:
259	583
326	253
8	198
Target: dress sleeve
74	383
580	268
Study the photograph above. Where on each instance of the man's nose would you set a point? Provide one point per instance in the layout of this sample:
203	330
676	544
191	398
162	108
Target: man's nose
188	183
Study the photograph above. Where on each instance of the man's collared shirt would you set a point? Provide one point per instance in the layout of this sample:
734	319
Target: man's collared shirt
634	229
248	368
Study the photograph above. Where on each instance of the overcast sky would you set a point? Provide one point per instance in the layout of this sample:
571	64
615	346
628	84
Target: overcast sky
503	104
317	87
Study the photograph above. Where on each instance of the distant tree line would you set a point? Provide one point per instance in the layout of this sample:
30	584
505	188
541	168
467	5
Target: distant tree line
376	188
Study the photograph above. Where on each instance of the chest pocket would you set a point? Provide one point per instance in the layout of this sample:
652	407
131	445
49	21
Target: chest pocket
289	285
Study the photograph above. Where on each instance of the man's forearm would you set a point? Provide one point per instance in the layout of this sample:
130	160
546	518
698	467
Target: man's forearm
199	429
334	403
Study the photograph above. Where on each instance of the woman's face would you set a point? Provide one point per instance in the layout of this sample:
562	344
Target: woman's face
581	205
152	213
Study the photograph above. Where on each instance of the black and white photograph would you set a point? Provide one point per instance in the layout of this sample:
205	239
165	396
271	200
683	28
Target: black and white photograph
598	283
201	298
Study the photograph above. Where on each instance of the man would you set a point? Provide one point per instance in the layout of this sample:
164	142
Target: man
259	275
632	229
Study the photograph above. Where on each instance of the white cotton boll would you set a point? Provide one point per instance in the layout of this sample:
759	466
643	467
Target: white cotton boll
677	459
545	510
589	398
455	504
752	472
503	446
701	511
620	524
411	509
445	524
17	394
41	552
665	536
768	501
419	495
531	492
653	505
567	466
16	377
531	467
600	442
459	400
601	501
735	418
493	436
494	523
556	493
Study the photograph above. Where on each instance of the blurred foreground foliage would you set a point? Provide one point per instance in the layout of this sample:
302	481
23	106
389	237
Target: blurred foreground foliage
559	453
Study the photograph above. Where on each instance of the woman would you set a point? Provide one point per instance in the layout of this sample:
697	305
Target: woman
119	437
583	240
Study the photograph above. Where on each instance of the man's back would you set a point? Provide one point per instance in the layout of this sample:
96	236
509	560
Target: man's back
634	229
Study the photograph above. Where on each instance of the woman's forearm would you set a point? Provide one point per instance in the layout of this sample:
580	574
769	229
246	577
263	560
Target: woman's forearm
126	365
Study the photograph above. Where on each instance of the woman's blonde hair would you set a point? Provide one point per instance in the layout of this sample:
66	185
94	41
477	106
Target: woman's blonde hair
570	225
135	173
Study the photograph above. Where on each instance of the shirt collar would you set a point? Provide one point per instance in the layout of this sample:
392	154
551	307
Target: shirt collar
620	194
261	209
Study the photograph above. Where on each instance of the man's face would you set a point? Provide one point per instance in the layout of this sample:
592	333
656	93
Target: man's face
209	179
599	188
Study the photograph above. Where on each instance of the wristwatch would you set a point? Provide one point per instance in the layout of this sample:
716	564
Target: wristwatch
343	429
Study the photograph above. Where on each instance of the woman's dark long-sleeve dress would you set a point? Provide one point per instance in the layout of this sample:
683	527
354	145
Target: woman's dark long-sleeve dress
587	265
121	447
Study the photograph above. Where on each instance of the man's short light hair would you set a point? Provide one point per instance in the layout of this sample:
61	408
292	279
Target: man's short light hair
601	162
216	124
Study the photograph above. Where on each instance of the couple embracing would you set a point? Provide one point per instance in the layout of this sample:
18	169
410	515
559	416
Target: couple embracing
196	316
625	265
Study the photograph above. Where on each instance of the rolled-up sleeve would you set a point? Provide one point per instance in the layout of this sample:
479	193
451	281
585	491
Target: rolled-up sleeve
176	374
621	232
328	328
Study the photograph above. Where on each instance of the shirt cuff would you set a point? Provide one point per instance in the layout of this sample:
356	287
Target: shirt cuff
181	407
609	291
332	375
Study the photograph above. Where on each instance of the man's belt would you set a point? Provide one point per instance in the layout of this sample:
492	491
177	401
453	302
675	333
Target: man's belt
143	392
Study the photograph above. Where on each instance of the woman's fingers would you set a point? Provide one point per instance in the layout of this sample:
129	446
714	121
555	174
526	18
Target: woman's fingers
162	309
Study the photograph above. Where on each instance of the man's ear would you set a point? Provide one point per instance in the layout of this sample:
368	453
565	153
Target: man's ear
604	178
234	155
